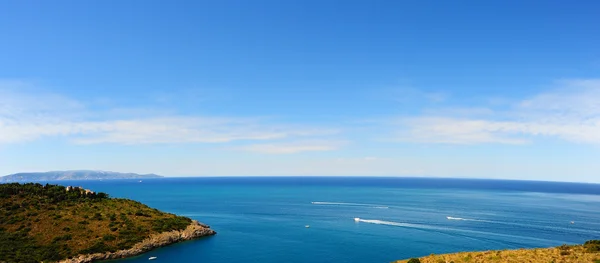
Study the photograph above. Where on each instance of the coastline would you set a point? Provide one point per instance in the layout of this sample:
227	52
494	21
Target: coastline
193	231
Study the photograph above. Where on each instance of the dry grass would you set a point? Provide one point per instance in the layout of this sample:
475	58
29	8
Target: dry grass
562	254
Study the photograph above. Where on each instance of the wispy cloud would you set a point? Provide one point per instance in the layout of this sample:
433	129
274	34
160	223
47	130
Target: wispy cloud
459	131
26	116
187	130
570	112
20	99
293	147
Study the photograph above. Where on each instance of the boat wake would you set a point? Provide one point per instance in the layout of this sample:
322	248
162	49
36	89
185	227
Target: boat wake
470	219
392	223
350	204
473	234
460	218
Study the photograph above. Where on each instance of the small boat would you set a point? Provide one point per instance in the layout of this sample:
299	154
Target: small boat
572	222
140	181
152	258
307	226
356	219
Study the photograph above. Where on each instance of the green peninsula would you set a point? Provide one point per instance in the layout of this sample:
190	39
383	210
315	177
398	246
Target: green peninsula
50	223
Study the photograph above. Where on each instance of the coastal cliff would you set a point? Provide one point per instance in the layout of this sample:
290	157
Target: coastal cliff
193	231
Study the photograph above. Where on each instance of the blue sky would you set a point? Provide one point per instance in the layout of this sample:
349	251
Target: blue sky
477	89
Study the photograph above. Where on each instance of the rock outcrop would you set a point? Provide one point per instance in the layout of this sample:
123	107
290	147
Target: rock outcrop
193	231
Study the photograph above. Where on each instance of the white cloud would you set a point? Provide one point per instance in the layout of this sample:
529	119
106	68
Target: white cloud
19	100
188	130
293	147
27	116
571	113
575	98
152	130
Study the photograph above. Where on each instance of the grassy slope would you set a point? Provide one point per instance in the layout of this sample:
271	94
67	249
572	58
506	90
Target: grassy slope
588	253
47	223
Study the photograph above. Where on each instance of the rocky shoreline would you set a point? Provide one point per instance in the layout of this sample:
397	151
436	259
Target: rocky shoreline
193	231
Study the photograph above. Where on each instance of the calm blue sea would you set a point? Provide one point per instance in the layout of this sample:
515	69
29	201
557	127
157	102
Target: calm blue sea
264	219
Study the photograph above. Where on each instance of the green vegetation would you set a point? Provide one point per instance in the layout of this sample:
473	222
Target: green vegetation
592	246
48	223
586	253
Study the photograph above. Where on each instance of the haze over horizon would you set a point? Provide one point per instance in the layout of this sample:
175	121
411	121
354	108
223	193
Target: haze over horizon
496	89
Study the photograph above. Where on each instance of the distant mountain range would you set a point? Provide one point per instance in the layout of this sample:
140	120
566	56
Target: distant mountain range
73	175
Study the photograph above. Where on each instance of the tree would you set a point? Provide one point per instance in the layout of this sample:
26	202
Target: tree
414	260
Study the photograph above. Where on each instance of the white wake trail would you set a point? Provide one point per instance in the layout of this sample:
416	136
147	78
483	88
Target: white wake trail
456	218
470	219
439	229
399	224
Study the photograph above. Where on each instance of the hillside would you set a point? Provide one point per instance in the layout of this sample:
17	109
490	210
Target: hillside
73	175
51	222
586	253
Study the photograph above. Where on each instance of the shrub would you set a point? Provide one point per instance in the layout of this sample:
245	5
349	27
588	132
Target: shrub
168	224
592	246
97	216
99	247
15	247
62	238
109	237
141	213
414	260
564	247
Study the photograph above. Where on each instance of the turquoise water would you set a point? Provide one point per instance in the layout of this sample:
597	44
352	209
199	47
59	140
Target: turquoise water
263	219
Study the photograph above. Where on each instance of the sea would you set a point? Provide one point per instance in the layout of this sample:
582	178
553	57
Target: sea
361	219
